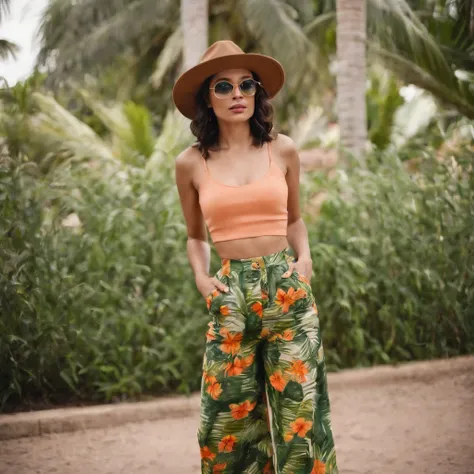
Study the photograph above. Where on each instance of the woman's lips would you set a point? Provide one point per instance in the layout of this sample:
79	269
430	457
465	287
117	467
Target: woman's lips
238	108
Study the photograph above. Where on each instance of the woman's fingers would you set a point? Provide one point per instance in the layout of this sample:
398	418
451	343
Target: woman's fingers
220	286
289	271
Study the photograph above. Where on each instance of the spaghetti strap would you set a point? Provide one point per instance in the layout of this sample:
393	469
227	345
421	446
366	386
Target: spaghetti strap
204	163
269	145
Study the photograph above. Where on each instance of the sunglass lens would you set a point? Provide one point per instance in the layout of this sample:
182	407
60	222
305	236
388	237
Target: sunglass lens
223	88
248	87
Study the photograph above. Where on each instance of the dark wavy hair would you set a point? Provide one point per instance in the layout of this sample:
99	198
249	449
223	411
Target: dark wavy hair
206	128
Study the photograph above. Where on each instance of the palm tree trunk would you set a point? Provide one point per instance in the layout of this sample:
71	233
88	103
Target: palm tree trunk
471	24
194	22
351	74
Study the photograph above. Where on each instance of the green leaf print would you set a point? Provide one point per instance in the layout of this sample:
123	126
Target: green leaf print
293	391
263	364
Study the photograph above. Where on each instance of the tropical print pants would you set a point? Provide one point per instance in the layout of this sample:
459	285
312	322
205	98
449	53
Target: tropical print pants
264	397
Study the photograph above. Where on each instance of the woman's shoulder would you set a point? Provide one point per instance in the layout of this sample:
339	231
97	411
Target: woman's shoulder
284	146
188	156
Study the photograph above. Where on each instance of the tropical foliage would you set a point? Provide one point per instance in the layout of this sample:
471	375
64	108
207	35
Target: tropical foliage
98	299
424	42
7	48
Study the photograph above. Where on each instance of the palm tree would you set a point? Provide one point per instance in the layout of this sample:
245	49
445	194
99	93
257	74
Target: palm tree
420	45
351	74
79	36
7	49
194	27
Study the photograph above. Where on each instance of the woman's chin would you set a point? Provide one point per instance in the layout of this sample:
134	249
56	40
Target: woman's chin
237	117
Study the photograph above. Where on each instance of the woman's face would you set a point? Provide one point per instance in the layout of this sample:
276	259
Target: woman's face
235	107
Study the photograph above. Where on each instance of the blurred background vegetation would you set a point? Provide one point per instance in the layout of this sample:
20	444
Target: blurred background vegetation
97	299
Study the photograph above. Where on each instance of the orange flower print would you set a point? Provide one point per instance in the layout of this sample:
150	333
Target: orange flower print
247	361
315	307
241	410
302	278
258	308
231	342
264	333
301	426
211	297
255	265
210	334
207	454
287	335
319	467
227	444
264	295
234	368
277	380
268	468
225	267
209	378
224	310
214	390
285	300
219	468
299	370
237	366
288	437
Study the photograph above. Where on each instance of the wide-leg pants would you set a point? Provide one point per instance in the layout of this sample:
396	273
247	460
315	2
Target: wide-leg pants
264	396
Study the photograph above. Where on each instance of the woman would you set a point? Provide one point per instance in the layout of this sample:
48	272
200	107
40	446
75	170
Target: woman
264	400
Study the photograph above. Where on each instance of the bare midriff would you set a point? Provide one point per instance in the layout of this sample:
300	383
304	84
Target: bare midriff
251	246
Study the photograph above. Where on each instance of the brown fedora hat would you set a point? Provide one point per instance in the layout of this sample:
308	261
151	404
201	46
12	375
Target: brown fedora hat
225	55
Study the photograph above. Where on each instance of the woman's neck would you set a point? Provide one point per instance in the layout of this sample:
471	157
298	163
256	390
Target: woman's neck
235	136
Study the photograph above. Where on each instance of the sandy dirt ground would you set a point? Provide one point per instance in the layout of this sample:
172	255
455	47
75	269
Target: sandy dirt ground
414	426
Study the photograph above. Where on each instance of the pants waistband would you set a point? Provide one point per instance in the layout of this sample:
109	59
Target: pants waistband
260	261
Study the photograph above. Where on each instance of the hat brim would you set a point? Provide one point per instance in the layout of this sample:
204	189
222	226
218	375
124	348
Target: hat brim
269	70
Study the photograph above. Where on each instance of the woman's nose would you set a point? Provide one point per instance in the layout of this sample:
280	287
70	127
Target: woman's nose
236	93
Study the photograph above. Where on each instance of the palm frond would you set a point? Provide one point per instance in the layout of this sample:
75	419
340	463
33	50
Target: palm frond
175	136
4	8
78	45
322	21
303	9
398	30
447	88
168	58
129	125
280	36
425	51
62	131
8	50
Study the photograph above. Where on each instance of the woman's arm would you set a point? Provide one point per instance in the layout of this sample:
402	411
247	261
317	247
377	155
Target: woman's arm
297	234
198	248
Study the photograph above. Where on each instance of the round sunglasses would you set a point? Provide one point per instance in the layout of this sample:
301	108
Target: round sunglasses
223	89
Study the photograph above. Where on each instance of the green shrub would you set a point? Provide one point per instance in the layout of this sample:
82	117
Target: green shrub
107	309
393	262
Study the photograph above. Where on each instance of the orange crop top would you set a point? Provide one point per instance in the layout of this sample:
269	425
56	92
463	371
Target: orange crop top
251	210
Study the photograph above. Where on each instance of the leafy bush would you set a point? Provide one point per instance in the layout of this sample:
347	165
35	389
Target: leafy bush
98	300
393	258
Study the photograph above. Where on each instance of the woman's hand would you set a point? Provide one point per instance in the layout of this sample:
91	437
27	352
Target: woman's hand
206	285
304	266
